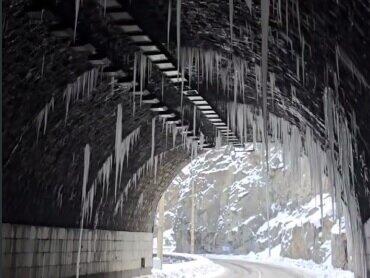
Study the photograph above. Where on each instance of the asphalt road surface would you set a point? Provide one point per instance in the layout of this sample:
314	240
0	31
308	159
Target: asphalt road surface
239	269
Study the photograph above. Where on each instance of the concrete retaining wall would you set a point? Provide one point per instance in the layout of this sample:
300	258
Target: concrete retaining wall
367	242
31	251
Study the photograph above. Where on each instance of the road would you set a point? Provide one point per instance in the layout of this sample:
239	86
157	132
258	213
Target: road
241	269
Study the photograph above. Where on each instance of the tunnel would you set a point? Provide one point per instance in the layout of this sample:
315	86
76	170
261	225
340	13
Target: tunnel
105	101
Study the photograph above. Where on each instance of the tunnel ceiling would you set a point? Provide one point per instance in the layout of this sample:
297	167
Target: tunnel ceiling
309	42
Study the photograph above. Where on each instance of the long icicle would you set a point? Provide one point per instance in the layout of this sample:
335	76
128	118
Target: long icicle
84	184
153	143
169	23
178	15
134	85
231	17
265	5
117	147
77	8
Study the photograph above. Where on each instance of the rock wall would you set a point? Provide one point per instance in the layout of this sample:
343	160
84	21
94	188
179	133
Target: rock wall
231	208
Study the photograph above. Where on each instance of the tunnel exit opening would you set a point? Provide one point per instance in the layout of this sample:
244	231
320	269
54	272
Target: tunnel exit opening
217	204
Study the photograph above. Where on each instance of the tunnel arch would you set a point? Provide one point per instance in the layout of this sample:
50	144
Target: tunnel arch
43	143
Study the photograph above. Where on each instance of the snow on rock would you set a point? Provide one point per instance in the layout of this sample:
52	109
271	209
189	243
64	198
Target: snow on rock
231	209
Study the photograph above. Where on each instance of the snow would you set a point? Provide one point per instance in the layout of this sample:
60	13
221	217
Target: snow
308	267
308	213
198	267
202	266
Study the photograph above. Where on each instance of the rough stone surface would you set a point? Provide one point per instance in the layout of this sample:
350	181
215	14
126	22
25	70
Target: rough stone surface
231	208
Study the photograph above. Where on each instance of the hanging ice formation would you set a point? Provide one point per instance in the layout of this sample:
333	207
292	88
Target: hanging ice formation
207	64
143	67
83	197
133	181
272	85
231	18
77	8
201	140
337	126
265	8
140	201
153	143
218	141
169	22
178	25
43	65
82	87
122	147
249	5
244	119
43	116
134	84
103	175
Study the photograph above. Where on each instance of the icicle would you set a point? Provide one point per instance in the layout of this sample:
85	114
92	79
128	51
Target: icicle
75	89
43	115
178	15
182	94
302	60
265	7
297	67
162	90
77	8
287	18
279	12
117	146
140	201
134	85
272	85
218	141
153	143
194	120
103	175
249	5
155	168
299	21
231	18
169	22
174	135
143	65
83	196
201	140
42	65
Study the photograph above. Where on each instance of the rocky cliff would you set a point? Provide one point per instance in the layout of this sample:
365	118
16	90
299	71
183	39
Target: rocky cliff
231	207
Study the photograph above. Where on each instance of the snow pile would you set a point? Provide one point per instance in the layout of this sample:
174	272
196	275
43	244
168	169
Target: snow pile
308	267
199	266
